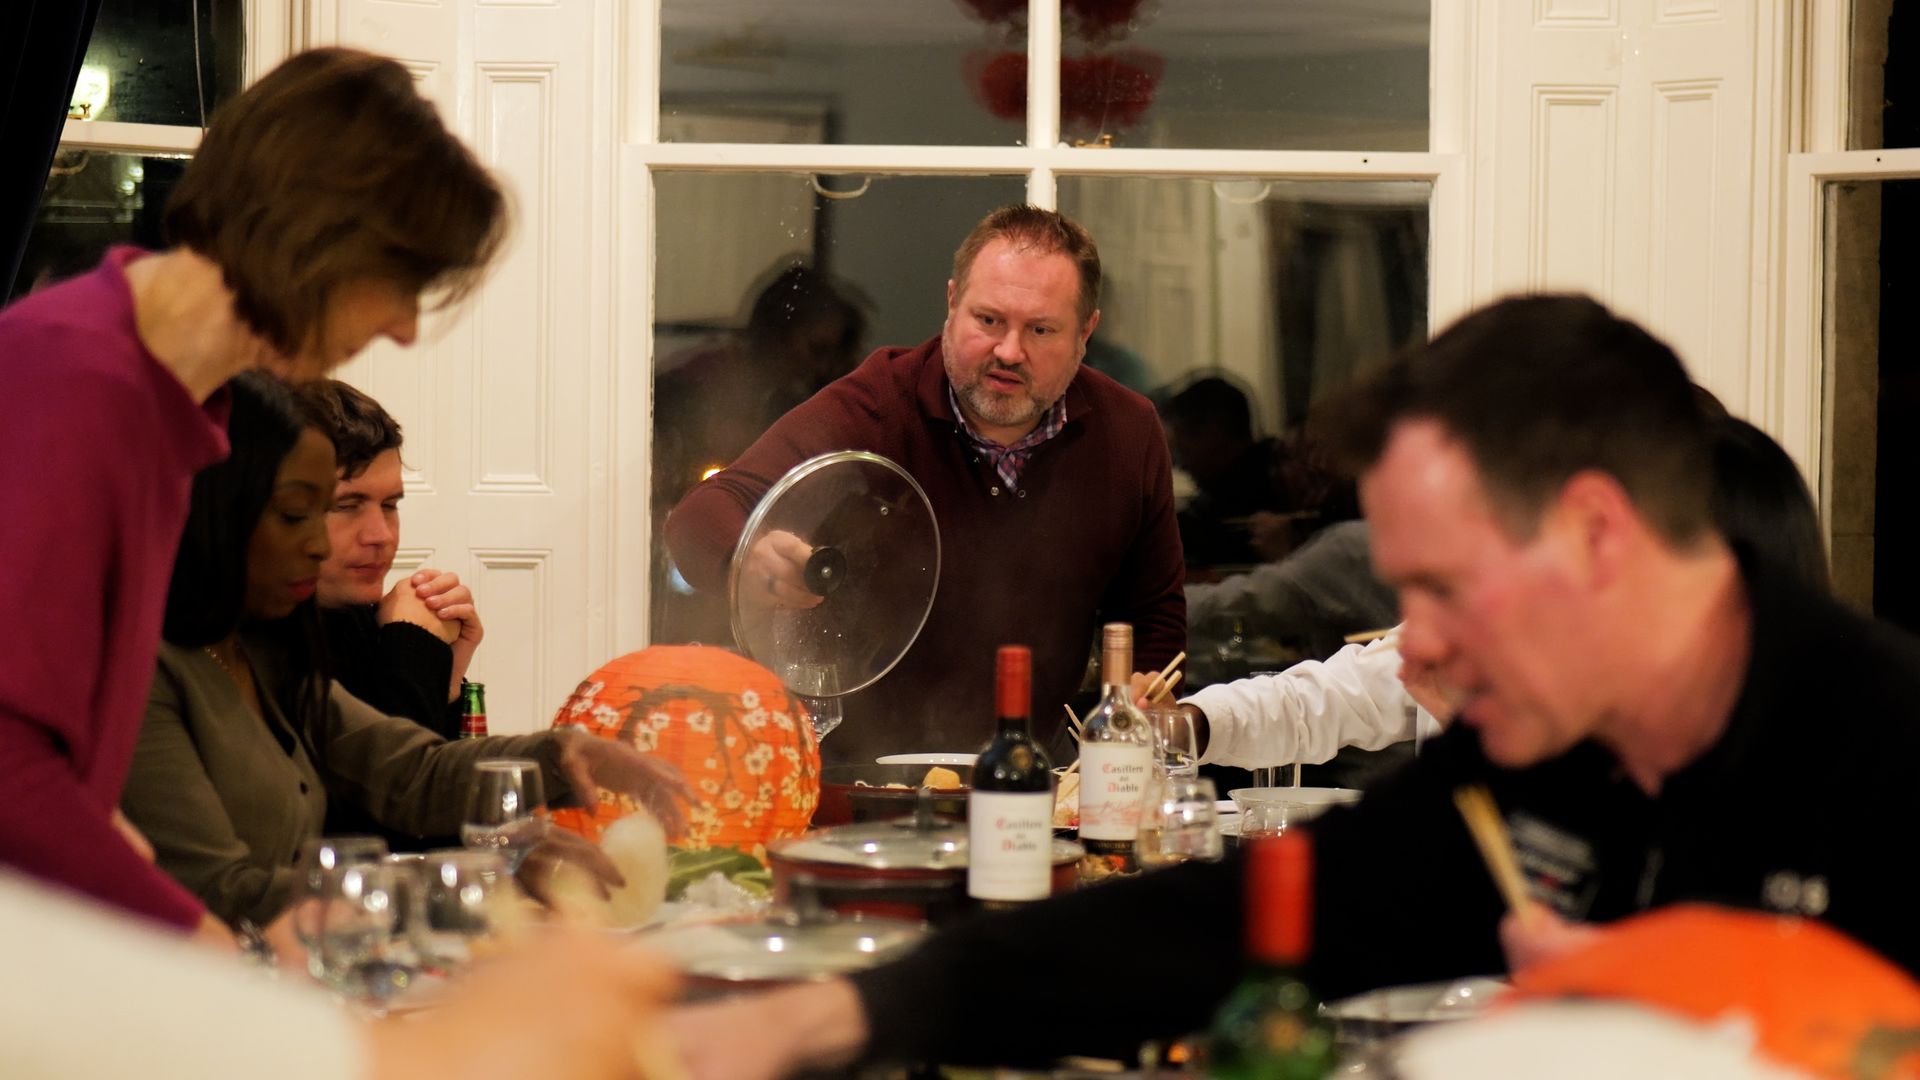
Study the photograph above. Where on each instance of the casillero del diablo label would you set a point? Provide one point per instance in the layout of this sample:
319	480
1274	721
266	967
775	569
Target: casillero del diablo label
1113	778
1010	845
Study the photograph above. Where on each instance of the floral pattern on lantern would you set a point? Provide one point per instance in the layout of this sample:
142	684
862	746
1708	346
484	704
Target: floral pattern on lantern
742	742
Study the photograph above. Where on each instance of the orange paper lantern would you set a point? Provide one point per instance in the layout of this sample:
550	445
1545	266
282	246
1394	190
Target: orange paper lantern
743	743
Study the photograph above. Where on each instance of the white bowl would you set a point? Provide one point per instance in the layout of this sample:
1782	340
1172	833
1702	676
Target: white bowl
927	759
1304	803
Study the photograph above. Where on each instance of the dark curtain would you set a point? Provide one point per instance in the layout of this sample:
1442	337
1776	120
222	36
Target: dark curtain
48	39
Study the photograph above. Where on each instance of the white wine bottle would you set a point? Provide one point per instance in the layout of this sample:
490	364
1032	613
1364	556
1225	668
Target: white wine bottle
1116	759
1010	813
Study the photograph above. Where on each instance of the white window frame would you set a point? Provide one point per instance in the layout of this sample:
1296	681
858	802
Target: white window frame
1800	397
270	28
1041	159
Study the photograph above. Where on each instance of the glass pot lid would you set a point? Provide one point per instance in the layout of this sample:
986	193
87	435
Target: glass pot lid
861	536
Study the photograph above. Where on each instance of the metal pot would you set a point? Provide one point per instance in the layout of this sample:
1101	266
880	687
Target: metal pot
857	793
912	867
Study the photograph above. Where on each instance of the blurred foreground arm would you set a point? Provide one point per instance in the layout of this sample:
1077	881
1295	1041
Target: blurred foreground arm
770	1035
565	1006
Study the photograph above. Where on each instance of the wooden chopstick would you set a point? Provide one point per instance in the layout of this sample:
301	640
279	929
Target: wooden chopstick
1489	831
1365	636
1166	692
1160	680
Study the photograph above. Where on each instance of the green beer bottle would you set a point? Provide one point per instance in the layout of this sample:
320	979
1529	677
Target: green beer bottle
473	710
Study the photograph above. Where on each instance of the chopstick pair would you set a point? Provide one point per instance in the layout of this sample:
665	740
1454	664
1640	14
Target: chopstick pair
1489	831
1165	679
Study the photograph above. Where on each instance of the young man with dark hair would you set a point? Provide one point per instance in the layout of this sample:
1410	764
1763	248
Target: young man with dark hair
403	650
1631	688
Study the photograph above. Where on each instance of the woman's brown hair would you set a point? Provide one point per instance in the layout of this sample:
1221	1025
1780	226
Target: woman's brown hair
332	168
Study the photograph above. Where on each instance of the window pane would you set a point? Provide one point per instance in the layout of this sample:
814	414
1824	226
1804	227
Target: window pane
1884	79
1238	306
1236	75
858	71
140	62
94	200
792	293
1872	323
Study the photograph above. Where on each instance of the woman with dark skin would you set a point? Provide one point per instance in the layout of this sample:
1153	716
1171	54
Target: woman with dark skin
246	738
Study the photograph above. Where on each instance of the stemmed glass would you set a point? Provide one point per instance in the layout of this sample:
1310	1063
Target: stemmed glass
362	910
506	809
466	900
320	862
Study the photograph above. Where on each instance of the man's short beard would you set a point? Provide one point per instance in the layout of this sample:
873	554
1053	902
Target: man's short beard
994	410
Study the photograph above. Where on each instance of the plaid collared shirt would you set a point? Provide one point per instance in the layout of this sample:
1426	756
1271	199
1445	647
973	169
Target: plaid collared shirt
1009	461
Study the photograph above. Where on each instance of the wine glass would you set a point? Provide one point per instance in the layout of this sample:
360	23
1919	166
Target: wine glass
1176	747
466	899
321	859
1180	823
506	809
357	924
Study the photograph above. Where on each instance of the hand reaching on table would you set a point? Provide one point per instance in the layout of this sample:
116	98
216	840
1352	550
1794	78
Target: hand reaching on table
562	858
592	763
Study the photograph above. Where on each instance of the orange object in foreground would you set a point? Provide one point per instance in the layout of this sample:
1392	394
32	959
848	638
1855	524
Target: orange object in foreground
1818	1000
744	744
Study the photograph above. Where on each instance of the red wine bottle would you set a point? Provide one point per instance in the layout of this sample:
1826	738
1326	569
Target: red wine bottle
1010	813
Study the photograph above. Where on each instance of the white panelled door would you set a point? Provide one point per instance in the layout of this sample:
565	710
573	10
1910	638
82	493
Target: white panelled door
1623	166
503	400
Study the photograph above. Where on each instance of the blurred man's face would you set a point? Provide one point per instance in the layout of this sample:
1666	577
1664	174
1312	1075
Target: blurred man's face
1502	622
364	525
1013	339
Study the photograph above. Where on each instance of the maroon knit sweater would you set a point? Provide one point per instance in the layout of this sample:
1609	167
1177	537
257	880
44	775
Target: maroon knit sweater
1089	537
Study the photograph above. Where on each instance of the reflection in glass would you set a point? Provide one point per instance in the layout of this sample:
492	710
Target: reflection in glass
1238	306
1219	74
140	62
766	292
1872	339
858	71
1246	76
93	200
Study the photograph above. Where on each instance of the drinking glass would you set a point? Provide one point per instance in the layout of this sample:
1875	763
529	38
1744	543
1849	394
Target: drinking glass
467	899
1263	817
1180	823
409	883
506	809
321	859
1176	747
357	926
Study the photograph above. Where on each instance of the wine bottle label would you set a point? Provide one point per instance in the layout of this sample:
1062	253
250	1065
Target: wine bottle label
1113	780
1010	845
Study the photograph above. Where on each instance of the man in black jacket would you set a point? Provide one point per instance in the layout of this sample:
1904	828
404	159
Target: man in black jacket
403	650
1656	714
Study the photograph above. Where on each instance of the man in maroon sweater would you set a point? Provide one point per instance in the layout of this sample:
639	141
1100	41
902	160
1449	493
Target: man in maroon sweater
1051	483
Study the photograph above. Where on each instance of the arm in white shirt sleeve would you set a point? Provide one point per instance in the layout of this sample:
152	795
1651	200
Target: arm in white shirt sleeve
101	998
1309	711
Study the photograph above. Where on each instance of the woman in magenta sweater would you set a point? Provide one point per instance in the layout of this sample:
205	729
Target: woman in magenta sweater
321	206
